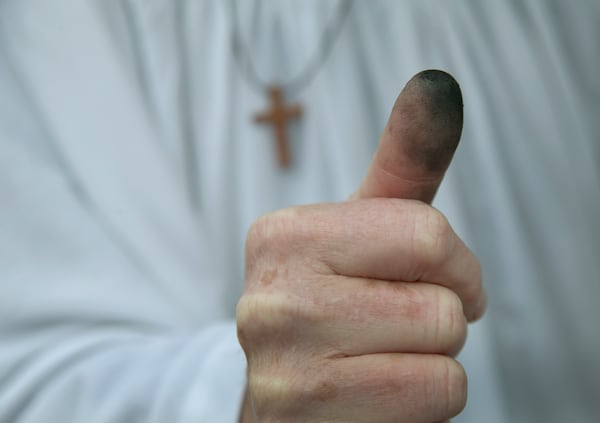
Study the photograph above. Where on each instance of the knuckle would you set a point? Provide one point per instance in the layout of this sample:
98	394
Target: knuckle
271	231
289	389
268	242
433	236
244	311
438	387
261	316
451	325
270	391
454	383
446	388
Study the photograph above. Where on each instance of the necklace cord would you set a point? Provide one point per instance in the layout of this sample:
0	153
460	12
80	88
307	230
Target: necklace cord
295	84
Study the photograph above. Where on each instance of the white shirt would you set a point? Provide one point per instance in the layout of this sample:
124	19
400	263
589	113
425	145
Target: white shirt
130	169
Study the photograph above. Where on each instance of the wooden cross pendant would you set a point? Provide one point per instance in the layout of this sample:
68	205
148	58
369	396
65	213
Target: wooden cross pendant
278	116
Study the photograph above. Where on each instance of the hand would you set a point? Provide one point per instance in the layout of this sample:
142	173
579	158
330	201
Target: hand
352	312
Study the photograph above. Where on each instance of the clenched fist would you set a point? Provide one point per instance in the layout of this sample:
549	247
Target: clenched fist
353	312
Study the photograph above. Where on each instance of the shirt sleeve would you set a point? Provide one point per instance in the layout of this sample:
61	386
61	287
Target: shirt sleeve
86	334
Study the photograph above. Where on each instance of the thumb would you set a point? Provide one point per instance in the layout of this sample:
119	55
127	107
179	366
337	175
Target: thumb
419	140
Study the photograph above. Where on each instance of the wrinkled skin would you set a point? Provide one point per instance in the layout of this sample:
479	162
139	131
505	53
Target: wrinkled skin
354	311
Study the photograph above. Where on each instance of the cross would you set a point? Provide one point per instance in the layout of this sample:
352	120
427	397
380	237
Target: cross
278	116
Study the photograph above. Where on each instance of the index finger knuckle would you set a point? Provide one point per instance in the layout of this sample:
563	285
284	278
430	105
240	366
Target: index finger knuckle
433	238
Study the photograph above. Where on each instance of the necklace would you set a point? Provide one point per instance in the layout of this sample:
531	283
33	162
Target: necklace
279	113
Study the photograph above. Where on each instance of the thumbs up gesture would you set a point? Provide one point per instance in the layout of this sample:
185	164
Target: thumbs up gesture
353	312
